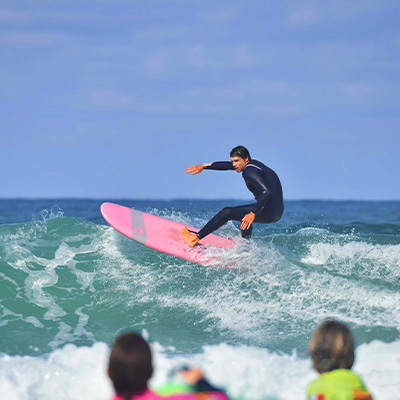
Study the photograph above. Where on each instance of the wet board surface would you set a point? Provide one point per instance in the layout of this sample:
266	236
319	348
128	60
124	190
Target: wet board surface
161	234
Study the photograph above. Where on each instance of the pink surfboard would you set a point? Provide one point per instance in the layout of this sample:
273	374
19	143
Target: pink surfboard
160	234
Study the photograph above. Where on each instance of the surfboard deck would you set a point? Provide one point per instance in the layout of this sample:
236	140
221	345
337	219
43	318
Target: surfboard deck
161	234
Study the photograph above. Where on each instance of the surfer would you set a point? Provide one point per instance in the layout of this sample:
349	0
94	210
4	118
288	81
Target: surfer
262	181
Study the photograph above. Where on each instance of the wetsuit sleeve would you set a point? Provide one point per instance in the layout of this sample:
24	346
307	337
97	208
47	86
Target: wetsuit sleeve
204	386
220	166
255	179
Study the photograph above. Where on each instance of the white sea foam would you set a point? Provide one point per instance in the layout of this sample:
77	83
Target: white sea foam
257	294
42	274
261	291
313	231
8	315
67	373
361	258
321	294
244	371
37	280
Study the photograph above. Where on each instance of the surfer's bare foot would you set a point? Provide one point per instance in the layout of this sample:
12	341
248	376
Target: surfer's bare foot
190	238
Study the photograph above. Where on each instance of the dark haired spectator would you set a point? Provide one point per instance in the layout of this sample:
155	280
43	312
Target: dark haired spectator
130	368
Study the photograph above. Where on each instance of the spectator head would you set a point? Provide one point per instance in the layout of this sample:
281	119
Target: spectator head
332	347
130	365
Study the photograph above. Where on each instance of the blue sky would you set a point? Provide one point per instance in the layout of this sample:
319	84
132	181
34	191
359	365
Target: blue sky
114	99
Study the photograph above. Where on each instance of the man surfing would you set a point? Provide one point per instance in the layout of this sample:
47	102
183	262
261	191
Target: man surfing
262	181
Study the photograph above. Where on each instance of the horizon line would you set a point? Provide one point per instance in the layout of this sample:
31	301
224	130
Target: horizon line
111	199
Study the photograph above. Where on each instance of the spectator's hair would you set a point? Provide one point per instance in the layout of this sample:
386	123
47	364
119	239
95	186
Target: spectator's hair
130	365
240	151
332	347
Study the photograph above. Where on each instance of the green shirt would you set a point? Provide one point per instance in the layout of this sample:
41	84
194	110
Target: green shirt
339	384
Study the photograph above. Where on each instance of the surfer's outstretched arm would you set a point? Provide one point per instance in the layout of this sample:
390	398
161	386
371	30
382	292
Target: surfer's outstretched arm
217	165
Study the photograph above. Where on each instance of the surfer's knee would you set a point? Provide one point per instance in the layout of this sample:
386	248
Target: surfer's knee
226	213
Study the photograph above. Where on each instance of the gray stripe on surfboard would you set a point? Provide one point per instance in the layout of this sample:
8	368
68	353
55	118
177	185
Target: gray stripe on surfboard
138	228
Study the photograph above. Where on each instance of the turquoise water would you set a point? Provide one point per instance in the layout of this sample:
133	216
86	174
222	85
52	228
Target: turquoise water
69	284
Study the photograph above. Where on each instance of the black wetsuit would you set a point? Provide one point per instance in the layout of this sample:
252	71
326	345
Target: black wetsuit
266	187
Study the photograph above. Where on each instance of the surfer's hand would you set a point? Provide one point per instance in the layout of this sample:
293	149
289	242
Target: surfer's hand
192	375
195	169
247	220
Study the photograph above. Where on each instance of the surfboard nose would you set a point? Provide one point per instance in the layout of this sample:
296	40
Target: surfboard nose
119	217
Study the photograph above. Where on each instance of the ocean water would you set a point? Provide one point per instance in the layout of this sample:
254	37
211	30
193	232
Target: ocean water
69	284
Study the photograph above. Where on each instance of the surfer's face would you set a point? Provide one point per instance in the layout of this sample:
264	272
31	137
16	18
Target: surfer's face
239	163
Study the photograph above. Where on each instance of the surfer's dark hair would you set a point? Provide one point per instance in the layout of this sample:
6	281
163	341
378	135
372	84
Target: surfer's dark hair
332	347
240	151
130	365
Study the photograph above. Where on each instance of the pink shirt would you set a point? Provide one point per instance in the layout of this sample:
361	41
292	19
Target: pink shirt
149	395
